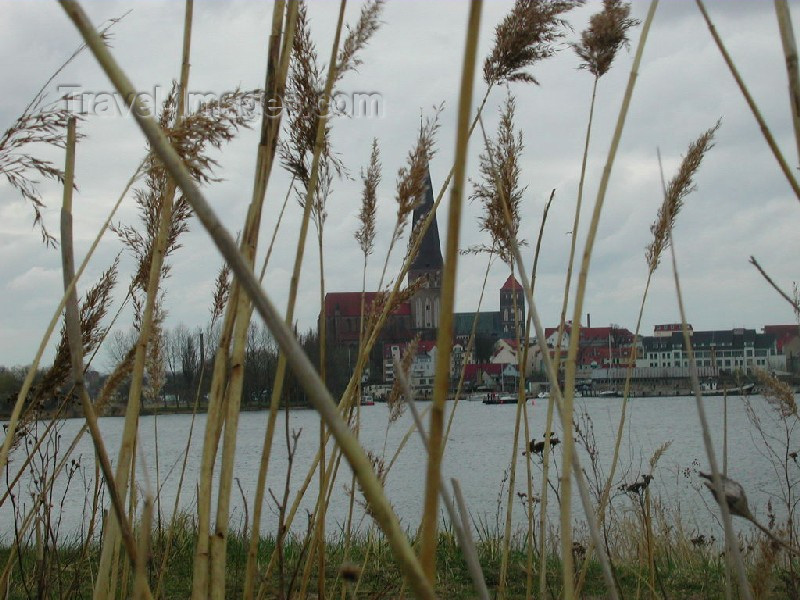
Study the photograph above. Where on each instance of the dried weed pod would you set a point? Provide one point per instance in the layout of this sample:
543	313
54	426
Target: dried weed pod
677	190
526	35
734	495
778	394
358	37
365	235
606	34
499	189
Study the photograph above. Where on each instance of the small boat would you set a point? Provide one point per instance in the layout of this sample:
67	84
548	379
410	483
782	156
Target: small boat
367	400
742	390
608	394
494	398
543	395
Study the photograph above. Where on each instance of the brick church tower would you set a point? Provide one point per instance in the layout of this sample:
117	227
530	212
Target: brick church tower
427	264
512	293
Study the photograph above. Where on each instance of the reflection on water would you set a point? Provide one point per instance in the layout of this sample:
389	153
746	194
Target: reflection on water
478	454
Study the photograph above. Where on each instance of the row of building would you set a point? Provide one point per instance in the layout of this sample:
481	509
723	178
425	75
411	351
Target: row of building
492	361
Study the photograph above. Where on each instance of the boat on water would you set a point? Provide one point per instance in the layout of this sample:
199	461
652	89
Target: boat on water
543	395
495	398
608	394
712	390
367	400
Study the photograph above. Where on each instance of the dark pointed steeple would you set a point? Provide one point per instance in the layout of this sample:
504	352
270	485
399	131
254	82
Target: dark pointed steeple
429	257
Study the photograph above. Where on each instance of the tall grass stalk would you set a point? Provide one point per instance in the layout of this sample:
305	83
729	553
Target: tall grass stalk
286	45
125	473
306	374
762	124
569	379
790	52
73	327
458	518
444	339
731	540
681	185
250	235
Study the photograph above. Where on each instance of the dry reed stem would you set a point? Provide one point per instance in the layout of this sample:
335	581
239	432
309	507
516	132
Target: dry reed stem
680	186
762	124
73	329
790	52
318	395
250	572
579	475
795	306
468	351
731	540
149	326
458	519
353	385
444	338
242	321
501	196
569	382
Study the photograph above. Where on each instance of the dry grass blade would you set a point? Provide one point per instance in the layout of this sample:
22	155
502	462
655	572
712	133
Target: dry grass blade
792	72
606	35
681	185
526	35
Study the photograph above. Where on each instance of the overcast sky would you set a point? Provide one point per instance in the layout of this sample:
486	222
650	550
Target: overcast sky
743	205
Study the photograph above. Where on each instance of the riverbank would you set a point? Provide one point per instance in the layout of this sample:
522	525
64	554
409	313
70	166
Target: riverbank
366	568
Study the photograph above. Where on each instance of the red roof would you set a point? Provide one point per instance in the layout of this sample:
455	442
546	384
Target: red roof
783	334
511	284
471	371
348	304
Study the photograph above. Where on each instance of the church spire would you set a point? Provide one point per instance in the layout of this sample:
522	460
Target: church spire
429	257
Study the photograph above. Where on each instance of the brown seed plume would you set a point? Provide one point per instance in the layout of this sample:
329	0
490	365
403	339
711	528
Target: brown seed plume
365	235
677	190
527	35
499	186
411	179
358	37
606	34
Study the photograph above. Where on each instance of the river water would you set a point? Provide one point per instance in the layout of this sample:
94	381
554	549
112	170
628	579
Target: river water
478	455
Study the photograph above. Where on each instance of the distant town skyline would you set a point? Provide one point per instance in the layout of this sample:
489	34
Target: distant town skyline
742	205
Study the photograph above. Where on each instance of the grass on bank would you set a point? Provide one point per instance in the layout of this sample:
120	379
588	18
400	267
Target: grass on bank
686	569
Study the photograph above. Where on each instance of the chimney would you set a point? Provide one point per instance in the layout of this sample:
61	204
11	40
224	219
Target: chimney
588	320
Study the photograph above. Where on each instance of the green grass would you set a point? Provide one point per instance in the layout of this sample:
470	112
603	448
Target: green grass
683	571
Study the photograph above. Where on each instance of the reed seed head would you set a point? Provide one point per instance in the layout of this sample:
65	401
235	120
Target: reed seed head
677	190
365	235
526	35
357	37
778	394
606	34
499	189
